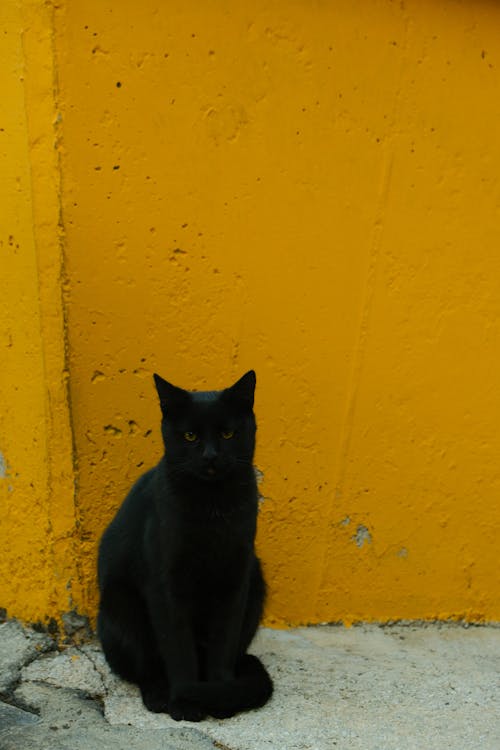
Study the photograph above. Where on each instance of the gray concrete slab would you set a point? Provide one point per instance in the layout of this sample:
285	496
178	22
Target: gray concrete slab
11	716
18	646
70	721
364	688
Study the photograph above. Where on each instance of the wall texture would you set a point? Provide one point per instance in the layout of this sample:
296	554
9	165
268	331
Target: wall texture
311	190
39	561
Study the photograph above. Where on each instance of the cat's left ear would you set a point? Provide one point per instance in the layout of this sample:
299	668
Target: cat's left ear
171	397
243	390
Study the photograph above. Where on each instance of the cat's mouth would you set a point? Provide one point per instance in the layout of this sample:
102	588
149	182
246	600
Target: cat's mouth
212	474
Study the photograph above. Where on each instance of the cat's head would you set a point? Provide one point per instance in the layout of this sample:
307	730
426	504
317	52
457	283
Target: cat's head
208	435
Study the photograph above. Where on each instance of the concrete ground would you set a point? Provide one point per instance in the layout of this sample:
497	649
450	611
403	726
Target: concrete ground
364	688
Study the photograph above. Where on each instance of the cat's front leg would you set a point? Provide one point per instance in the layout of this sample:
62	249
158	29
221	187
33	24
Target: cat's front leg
225	635
173	627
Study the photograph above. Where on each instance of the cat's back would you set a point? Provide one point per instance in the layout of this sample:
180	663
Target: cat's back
138	502
121	543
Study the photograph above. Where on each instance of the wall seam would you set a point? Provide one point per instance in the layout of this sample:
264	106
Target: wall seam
57	8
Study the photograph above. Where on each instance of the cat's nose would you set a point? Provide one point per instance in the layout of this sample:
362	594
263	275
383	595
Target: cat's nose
209	454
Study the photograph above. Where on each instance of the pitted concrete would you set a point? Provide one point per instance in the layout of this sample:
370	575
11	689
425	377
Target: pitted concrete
363	688
19	646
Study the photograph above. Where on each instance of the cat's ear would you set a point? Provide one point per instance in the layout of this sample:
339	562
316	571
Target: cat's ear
171	397
243	390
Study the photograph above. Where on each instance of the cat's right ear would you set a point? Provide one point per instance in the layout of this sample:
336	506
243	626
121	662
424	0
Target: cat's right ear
171	397
242	391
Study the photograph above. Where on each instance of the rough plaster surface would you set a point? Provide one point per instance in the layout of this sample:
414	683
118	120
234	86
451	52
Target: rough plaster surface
308	196
38	570
294	188
364	688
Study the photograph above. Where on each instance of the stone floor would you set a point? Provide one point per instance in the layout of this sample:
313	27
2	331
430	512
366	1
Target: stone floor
367	687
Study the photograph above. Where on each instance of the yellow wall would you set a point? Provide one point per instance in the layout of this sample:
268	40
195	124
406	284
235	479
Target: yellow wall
310	190
38	560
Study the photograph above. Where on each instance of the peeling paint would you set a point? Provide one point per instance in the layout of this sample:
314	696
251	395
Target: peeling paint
74	623
3	466
259	475
362	535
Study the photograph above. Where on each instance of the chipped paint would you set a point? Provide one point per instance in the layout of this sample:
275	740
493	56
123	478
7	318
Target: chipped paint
3	466
259	475
362	535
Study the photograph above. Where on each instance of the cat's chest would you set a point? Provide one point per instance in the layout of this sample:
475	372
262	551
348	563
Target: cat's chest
208	557
214	546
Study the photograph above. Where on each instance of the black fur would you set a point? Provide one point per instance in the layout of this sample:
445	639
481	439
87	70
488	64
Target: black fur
181	589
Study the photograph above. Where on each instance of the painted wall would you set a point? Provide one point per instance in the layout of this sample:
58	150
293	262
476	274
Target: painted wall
312	191
38	560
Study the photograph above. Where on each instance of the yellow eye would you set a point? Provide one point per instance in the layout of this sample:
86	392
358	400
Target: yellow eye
190	436
227	434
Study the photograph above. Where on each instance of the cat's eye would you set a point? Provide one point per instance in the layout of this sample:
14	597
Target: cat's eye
228	434
190	436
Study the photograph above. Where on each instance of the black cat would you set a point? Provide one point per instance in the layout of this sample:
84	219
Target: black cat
181	589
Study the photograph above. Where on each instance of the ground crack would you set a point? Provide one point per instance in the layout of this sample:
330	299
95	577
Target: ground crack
96	669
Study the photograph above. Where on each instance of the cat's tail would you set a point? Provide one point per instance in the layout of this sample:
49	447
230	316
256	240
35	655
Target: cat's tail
251	688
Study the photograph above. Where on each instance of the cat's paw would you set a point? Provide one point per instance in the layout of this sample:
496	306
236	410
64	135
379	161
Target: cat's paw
222	713
155	697
180	709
